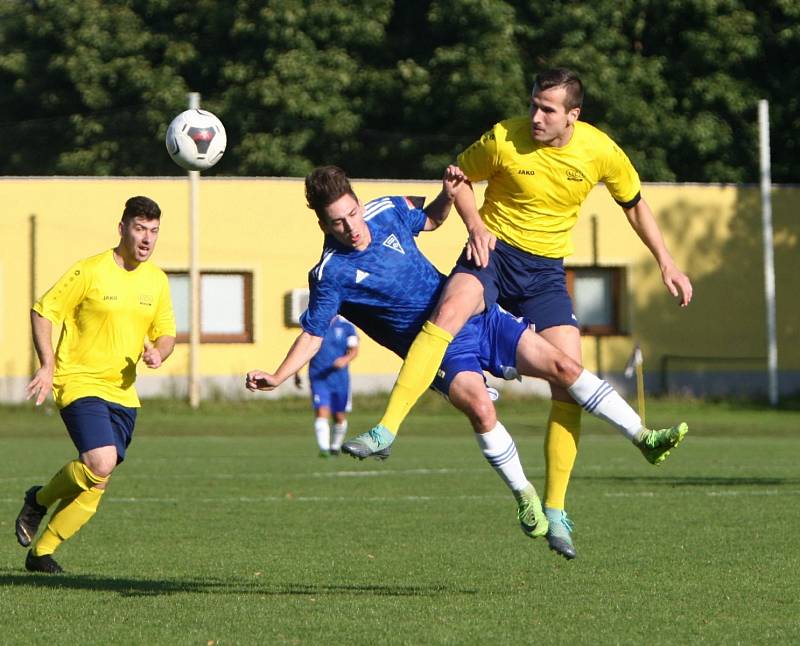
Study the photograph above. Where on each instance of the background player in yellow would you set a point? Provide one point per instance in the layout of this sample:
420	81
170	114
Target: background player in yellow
539	169
111	310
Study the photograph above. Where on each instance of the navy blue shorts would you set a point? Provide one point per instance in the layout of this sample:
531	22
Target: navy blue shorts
336	396
93	422
487	342
524	284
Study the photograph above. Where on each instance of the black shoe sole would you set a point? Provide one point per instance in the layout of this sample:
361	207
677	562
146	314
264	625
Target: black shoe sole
25	532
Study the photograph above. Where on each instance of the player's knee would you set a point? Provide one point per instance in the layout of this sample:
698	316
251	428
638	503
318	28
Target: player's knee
482	415
101	465
566	370
451	314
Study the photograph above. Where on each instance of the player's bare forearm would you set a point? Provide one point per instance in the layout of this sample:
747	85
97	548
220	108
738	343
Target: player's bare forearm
644	224
156	353
41	384
303	349
467	208
165	345
42	330
480	240
438	210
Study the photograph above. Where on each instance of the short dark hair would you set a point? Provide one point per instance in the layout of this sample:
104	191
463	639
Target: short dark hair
325	185
141	207
560	77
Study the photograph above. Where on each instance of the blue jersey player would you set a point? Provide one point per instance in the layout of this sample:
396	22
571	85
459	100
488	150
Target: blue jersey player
329	378
372	272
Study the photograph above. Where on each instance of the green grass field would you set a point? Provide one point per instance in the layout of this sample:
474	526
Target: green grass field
224	527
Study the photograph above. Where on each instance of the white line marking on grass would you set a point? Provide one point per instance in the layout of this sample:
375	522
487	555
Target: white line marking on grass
148	500
651	494
389	472
297	474
327	499
766	492
626	494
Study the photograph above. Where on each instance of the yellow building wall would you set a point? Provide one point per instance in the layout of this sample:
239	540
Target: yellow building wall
262	225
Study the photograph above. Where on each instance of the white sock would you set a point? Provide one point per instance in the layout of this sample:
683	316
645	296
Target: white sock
339	431
323	430
601	400
500	451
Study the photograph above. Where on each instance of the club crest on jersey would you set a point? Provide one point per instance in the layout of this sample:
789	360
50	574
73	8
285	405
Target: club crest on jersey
574	175
393	243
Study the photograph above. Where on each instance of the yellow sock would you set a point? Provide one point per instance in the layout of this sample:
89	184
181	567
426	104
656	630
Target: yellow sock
560	450
68	518
417	373
73	478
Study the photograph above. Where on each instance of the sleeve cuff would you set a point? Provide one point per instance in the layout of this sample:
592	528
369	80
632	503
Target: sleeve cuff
630	203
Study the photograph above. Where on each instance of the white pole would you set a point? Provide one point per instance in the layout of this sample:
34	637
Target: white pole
194	275
769	259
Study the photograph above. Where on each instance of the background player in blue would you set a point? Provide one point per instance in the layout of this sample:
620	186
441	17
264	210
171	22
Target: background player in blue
329	378
373	273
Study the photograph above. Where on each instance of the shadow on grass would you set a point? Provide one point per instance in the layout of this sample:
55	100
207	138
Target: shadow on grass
128	587
696	481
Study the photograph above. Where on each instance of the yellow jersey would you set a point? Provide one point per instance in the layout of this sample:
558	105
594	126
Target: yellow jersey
535	191
104	313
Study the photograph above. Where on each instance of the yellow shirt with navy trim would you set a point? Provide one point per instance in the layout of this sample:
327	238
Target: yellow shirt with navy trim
104	313
535	191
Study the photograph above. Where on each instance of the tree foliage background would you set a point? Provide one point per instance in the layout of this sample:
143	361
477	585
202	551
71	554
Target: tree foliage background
391	88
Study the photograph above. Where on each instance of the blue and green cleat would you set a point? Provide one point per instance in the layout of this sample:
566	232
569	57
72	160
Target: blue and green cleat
529	513
376	443
559	533
656	445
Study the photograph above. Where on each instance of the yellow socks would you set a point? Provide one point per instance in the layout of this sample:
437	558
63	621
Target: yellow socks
73	478
560	450
417	373
68	518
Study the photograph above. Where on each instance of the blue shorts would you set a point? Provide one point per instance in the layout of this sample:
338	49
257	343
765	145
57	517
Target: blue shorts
93	422
487	342
332	396
525	284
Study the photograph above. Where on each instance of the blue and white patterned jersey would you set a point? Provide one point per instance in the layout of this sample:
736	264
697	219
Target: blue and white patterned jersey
340	336
387	289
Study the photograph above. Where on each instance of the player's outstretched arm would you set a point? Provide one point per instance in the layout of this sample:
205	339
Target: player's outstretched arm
305	346
644	223
41	383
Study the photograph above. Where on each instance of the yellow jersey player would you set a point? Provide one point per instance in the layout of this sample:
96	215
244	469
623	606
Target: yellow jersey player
111	310
539	170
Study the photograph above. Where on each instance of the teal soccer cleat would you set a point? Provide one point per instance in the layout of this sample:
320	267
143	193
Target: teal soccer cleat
656	445
559	534
529	513
375	443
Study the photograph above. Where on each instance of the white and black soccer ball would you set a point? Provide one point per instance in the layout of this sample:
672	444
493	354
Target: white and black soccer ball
196	139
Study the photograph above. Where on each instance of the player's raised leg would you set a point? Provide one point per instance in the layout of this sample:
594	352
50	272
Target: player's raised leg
468	393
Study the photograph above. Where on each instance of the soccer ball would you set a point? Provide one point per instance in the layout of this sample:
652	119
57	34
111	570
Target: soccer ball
196	139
